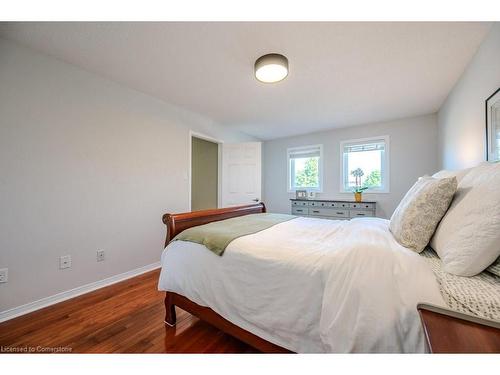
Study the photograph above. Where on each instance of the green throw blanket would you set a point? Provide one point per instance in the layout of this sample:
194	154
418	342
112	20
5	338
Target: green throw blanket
217	235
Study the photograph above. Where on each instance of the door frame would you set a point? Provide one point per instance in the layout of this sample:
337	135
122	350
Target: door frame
194	134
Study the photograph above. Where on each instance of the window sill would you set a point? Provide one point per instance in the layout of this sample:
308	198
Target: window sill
367	192
308	190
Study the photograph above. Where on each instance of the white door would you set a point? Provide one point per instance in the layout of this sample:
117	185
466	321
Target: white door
241	173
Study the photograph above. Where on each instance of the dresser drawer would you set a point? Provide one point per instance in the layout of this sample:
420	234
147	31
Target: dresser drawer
300	211
320	211
362	206
338	213
335	205
360	213
318	204
300	203
323	204
342	204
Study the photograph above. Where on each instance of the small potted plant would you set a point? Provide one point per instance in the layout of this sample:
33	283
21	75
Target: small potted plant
358	189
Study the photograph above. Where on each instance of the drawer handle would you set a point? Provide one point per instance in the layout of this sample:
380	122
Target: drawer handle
340	213
316	212
299	210
360	214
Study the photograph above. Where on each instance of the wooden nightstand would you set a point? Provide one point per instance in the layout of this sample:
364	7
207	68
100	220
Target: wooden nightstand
448	331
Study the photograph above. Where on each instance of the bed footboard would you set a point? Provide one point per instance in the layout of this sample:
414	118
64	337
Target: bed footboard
176	223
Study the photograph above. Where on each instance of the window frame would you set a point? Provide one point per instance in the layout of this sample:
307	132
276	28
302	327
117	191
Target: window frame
384	168
290	151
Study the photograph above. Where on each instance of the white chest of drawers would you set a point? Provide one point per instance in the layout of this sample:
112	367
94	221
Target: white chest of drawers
329	209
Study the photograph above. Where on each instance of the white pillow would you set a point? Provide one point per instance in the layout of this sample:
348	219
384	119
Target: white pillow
417	215
468	238
444	173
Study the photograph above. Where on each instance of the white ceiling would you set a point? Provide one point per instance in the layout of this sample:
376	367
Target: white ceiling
341	74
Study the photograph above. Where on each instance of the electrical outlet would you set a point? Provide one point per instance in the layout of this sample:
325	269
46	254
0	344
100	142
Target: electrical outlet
4	275
65	262
100	255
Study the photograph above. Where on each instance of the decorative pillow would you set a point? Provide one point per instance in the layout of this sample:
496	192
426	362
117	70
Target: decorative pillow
468	238
415	219
495	268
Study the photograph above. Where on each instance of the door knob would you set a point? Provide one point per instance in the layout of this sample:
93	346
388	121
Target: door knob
256	199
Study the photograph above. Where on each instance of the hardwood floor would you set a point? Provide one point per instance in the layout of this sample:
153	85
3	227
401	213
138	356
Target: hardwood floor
123	318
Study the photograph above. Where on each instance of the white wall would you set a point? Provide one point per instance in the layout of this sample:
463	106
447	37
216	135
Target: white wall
413	153
462	134
85	164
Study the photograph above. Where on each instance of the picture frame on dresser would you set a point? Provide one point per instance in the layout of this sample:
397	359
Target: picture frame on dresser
492	107
301	194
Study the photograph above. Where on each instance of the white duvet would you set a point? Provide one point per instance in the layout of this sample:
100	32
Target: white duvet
311	285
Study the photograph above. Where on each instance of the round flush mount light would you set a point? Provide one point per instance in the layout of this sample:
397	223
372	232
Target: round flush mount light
271	68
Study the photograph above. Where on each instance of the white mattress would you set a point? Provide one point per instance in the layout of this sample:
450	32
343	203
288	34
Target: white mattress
311	285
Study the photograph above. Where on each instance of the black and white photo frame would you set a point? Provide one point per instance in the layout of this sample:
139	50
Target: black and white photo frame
301	194
493	127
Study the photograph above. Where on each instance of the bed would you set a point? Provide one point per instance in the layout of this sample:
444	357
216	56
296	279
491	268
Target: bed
305	285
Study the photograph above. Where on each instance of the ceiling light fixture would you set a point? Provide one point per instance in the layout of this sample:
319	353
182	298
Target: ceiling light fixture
271	68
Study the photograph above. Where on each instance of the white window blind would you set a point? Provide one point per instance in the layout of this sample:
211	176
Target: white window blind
309	152
372	146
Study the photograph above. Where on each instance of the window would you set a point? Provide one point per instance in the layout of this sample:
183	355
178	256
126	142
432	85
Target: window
365	163
305	168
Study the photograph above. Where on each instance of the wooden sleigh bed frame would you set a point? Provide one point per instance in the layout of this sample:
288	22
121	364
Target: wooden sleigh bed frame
176	223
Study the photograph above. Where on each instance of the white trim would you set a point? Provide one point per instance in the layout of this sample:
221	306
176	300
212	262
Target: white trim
63	296
219	164
320	168
386	170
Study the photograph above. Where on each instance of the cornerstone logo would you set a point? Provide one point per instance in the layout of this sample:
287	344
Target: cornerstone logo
35	349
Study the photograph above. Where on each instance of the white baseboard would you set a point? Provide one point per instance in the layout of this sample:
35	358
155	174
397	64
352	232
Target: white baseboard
59	297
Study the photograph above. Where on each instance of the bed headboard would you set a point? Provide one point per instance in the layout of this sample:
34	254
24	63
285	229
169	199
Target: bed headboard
176	223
